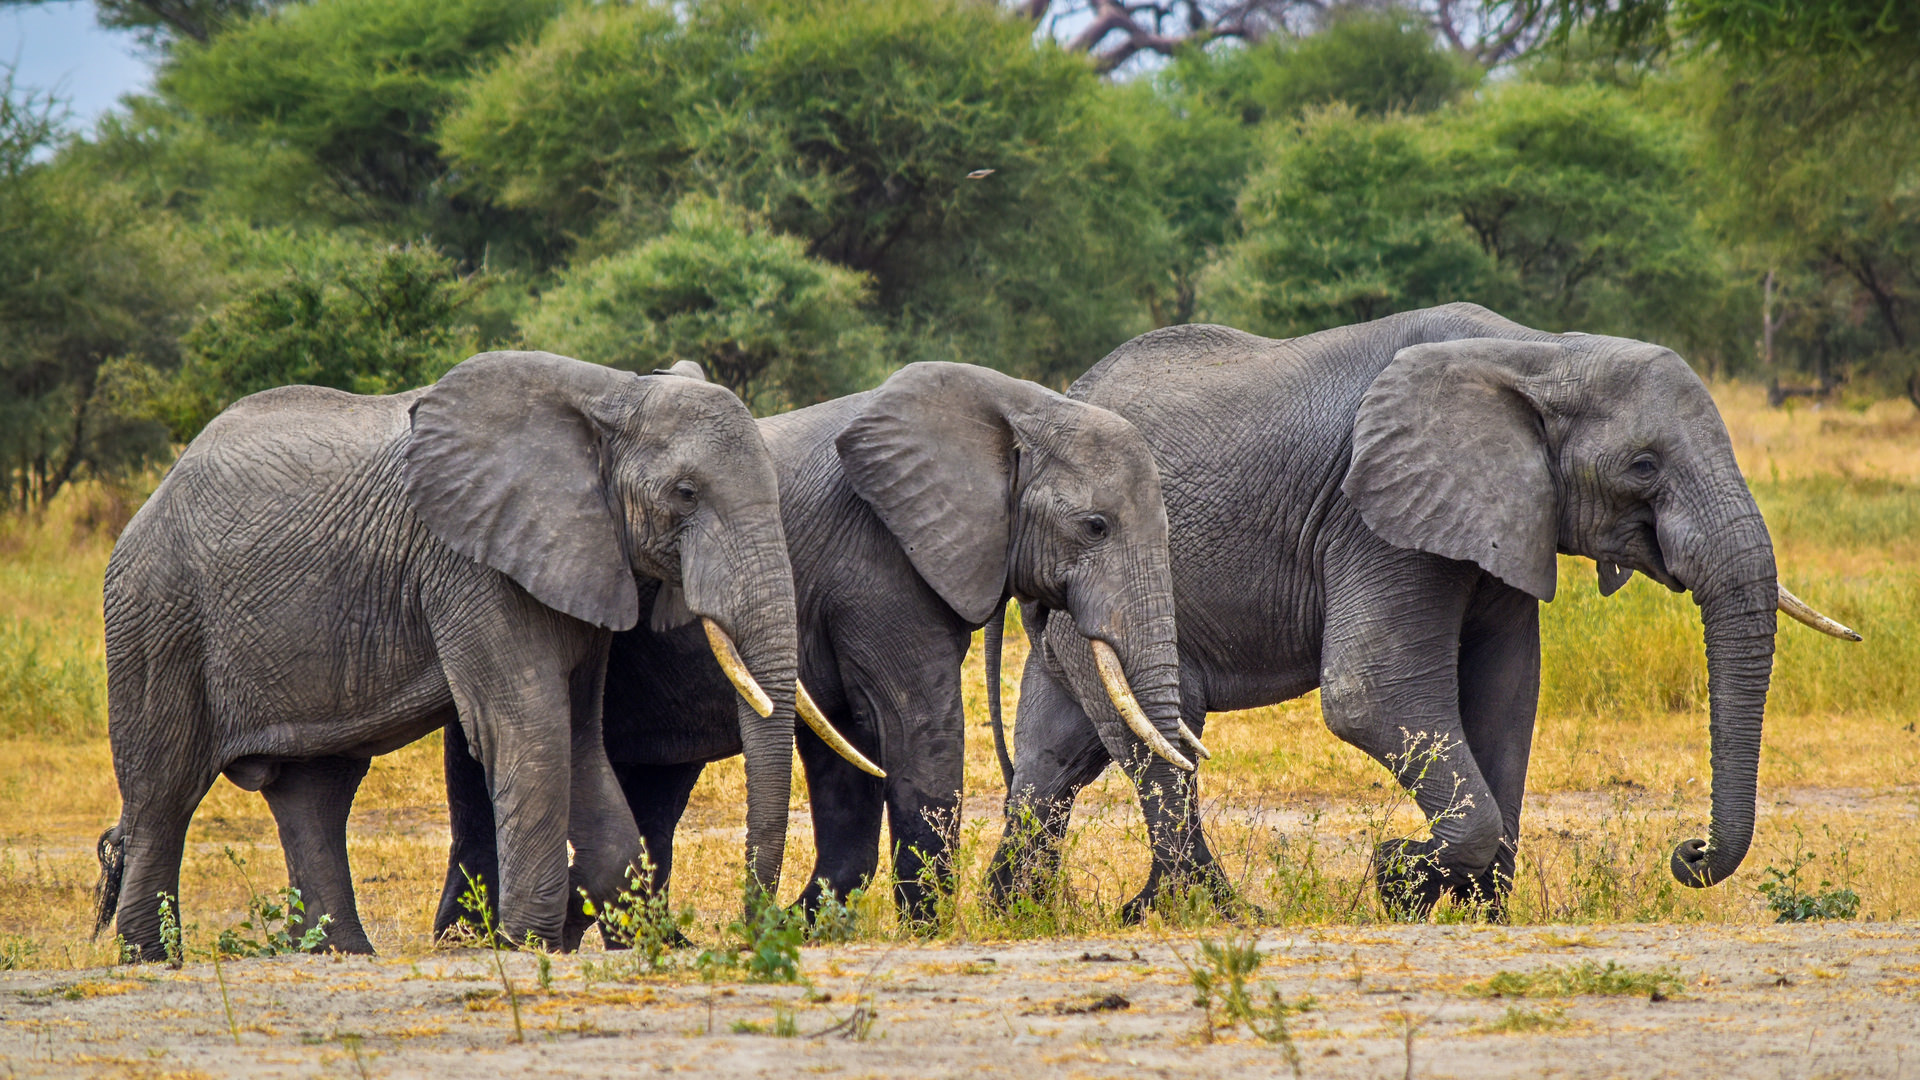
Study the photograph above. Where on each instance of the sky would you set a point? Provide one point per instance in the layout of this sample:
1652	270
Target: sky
59	47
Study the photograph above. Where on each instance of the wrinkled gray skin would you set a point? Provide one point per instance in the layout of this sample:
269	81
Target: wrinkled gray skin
912	512
324	577
1375	510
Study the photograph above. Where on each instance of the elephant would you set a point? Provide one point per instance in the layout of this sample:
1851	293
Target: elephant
912	511
1375	511
323	577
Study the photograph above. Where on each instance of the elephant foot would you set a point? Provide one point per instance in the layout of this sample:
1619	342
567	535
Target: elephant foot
1411	880
351	940
1195	887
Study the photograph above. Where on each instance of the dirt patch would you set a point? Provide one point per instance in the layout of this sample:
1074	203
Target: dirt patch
1829	1000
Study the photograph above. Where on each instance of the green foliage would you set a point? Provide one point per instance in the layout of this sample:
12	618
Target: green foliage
835	921
1791	901
159	23
593	116
474	900
1378	61
1345	223
1558	206
171	933
1584	978
93	290
764	943
275	917
355	84
1520	1020
1222	978
853	125
1886	32
720	288
17	953
641	919
379	321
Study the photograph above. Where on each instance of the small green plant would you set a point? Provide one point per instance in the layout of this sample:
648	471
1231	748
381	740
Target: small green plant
1790	902
1520	1020
170	933
475	901
274	917
1221	985
835	922
544	974
767	941
641	919
1586	977
17	953
784	1026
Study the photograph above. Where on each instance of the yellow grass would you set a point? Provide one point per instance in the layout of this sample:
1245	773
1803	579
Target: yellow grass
1619	767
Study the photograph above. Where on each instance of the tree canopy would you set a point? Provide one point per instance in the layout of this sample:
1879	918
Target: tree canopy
804	194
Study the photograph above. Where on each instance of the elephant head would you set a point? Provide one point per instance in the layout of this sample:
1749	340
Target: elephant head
572	478
995	486
1503	452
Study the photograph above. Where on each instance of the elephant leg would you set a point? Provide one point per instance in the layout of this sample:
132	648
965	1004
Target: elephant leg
160	727
1170	800
847	806
310	800
1390	686
1056	753
522	723
657	795
903	694
1499	694
601	829
472	852
153	836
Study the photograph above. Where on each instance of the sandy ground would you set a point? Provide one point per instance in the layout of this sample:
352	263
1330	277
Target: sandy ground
1794	1001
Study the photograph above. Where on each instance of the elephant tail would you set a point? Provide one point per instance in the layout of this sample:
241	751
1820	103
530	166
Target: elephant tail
996	632
113	864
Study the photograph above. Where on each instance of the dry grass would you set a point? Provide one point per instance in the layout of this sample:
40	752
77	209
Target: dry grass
1619	769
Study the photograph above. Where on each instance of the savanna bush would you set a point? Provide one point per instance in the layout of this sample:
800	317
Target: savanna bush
719	287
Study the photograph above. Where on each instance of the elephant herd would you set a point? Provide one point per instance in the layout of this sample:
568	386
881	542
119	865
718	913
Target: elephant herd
597	582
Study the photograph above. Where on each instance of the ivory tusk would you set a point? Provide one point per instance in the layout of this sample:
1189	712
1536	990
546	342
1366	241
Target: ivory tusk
817	720
1798	610
1114	678
736	668
1193	740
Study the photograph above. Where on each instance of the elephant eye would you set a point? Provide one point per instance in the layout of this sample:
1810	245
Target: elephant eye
1644	468
686	491
1096	526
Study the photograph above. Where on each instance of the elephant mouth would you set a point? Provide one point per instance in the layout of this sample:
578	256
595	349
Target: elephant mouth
1639	550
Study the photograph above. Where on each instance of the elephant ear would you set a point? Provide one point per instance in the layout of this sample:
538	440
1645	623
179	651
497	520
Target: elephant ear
934	453
507	466
1450	457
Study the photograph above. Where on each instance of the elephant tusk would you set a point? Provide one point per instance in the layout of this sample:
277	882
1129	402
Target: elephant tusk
736	668
1199	748
822	727
1114	678
1798	610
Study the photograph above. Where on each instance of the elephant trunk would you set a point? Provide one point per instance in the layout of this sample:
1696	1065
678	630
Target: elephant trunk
1737	597
1137	658
743	590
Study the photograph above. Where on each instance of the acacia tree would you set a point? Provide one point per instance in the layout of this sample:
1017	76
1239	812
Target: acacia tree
94	291
1114	32
720	288
979	180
